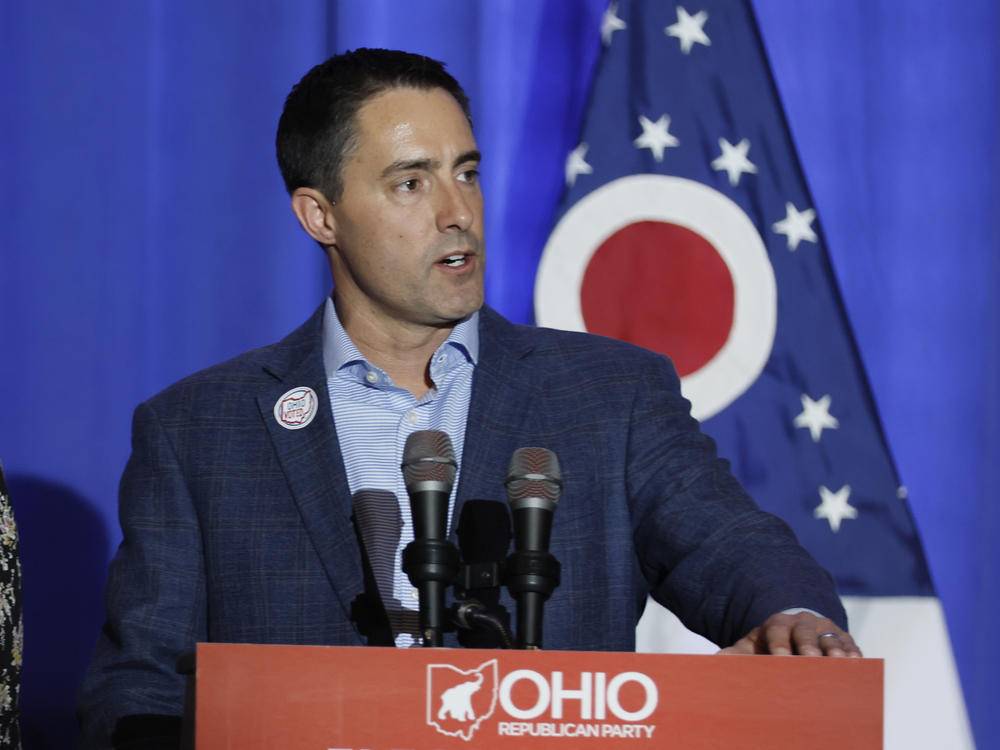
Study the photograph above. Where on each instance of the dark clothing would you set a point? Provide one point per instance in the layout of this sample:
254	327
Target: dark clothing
237	529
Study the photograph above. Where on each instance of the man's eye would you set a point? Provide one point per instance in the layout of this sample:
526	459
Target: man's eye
409	186
469	175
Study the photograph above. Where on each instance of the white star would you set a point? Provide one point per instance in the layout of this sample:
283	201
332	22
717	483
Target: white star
816	416
734	160
576	164
689	29
835	507
611	23
795	226
655	136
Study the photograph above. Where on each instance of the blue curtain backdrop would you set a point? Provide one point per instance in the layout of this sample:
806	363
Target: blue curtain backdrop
144	234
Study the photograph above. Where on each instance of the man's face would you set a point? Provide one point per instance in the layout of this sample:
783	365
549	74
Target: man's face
409	224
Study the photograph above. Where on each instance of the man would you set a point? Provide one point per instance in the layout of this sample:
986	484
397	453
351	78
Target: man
11	621
236	504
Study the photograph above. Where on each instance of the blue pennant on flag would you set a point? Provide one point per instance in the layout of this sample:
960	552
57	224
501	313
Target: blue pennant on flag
687	228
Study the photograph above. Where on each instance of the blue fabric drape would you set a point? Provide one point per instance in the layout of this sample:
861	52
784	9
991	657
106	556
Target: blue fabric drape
145	233
894	107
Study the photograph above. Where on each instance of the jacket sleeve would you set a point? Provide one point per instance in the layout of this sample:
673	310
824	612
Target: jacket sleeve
155	595
709	553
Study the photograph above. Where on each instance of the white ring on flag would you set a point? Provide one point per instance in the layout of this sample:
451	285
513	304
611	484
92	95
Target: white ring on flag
707	212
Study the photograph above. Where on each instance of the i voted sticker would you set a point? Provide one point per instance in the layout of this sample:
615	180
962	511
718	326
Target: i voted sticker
296	408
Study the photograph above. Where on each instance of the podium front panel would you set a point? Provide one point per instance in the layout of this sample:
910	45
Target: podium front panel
335	698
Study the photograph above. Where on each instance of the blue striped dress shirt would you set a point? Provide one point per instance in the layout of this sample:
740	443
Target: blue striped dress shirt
373	418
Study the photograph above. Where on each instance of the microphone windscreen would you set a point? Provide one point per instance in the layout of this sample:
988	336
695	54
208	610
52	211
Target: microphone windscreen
380	524
429	457
483	531
533	475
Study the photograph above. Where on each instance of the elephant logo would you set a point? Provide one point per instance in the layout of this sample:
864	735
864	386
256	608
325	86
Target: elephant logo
458	700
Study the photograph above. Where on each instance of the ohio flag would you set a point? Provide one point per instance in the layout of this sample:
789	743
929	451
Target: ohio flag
687	228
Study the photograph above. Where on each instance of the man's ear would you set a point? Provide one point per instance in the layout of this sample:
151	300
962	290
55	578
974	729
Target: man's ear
315	214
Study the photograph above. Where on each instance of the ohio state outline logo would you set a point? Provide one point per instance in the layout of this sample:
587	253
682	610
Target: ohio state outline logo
459	700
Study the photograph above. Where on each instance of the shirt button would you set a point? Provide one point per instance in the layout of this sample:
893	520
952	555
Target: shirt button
411	417
371	376
440	358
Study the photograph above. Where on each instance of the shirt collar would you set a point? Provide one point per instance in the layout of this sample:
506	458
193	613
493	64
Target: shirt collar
339	350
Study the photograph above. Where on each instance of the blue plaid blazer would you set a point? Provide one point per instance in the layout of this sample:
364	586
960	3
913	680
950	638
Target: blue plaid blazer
238	530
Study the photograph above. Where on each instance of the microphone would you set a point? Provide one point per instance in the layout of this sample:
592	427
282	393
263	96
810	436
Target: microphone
533	484
483	540
379	526
430	561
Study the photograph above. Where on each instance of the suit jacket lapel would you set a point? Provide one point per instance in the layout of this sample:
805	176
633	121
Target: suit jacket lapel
500	413
311	460
500	419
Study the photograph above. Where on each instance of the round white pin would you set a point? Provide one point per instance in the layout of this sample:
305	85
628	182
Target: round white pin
296	408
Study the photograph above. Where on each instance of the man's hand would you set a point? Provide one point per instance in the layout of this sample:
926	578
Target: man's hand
803	633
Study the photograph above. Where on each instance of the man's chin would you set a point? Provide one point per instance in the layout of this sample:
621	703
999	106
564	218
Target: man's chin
459	313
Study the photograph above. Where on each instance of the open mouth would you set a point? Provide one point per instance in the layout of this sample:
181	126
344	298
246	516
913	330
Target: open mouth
455	261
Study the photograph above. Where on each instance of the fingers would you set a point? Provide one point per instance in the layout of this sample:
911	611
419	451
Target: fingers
781	635
836	642
813	640
802	633
821	637
746	646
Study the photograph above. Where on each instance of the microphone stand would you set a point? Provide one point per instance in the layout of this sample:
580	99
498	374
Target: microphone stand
430	560
533	483
432	565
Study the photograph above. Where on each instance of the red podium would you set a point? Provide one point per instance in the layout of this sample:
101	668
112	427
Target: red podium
334	698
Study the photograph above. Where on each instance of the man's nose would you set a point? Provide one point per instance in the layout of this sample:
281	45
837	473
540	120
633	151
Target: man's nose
455	208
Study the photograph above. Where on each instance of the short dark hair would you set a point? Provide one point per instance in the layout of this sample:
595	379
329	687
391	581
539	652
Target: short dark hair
317	131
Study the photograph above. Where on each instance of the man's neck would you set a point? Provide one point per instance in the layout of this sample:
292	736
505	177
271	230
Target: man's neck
400	349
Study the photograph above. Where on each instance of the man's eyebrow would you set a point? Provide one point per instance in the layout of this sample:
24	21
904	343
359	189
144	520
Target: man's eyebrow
406	165
472	155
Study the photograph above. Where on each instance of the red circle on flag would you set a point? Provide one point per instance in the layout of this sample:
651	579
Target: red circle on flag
663	287
729	236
